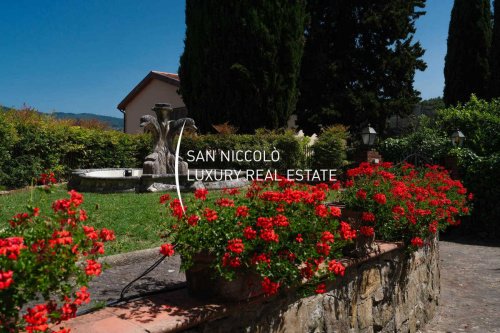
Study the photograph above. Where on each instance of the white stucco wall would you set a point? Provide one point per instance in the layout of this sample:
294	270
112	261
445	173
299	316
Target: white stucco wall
155	92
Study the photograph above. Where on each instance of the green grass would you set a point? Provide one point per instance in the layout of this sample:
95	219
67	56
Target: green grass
135	218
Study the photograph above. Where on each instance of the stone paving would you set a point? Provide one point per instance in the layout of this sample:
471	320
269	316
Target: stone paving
470	288
470	285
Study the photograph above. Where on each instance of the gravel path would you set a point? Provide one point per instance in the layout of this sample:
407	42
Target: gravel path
470	285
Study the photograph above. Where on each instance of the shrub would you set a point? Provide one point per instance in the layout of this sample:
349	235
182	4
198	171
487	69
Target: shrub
330	148
405	203
425	141
47	260
31	143
290	148
478	119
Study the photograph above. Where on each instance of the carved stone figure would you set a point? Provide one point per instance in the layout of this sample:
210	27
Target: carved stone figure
162	160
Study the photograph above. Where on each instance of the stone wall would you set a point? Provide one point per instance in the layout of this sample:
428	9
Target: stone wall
393	292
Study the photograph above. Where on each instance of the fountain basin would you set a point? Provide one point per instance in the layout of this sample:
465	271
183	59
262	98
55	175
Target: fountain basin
120	180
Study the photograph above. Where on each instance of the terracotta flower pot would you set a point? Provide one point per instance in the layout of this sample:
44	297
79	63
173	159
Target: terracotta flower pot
202	281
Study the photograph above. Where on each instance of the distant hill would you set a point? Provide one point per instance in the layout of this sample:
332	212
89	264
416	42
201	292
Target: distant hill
113	122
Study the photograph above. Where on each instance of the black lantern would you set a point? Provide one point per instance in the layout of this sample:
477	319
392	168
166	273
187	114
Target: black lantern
457	138
369	135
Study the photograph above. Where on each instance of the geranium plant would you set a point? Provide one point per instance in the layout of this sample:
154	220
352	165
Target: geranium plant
282	231
403	202
46	262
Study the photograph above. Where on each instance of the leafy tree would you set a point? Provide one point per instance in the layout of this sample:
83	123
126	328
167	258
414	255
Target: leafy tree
359	62
467	68
241	61
495	53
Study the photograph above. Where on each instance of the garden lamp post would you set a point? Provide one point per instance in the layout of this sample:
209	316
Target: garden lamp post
457	138
367	153
451	162
369	135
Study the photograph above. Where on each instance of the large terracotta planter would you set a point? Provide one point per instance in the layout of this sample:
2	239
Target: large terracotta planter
203	282
363	245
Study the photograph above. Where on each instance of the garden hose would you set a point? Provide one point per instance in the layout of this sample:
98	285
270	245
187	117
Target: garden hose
124	298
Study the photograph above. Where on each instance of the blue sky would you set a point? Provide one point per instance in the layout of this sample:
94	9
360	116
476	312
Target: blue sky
85	56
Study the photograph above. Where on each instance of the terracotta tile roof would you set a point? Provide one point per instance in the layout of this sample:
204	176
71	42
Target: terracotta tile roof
174	76
171	78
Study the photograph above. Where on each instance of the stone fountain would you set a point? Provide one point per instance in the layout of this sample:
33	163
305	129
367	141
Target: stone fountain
164	131
159	167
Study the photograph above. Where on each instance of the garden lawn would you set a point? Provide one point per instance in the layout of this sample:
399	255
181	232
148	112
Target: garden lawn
137	219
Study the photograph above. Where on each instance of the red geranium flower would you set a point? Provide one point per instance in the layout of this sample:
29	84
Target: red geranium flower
336	267
380	198
167	250
320	288
269	287
210	215
201	194
249	233
417	241
235	245
367	231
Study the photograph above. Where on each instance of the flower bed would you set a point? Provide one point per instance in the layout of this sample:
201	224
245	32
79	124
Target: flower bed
47	260
286	233
402	203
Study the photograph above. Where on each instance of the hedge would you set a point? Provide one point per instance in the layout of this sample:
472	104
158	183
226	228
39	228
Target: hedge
31	143
291	150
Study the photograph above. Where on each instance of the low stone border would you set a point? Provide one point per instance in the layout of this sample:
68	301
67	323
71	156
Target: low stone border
388	291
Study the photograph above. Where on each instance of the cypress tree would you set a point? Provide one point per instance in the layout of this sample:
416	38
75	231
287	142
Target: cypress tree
241	61
495	53
466	68
359	62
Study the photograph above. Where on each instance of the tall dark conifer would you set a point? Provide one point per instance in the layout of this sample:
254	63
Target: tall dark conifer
467	69
359	62
241	61
495	53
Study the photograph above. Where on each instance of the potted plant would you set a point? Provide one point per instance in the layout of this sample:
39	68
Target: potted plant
403	203
47	259
268	237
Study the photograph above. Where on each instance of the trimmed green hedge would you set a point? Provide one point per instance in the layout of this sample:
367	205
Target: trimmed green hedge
291	150
31	143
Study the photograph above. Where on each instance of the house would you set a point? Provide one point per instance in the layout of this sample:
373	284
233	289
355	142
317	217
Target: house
156	87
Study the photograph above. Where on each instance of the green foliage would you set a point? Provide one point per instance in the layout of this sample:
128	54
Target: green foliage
478	119
330	148
495	53
290	148
467	69
427	142
124	213
478	160
48	255
242	67
32	143
359	62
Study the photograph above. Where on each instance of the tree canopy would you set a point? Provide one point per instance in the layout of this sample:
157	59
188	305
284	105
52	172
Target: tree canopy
467	69
241	61
359	62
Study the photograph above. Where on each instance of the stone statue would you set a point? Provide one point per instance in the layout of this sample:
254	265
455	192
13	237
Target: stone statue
164	130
